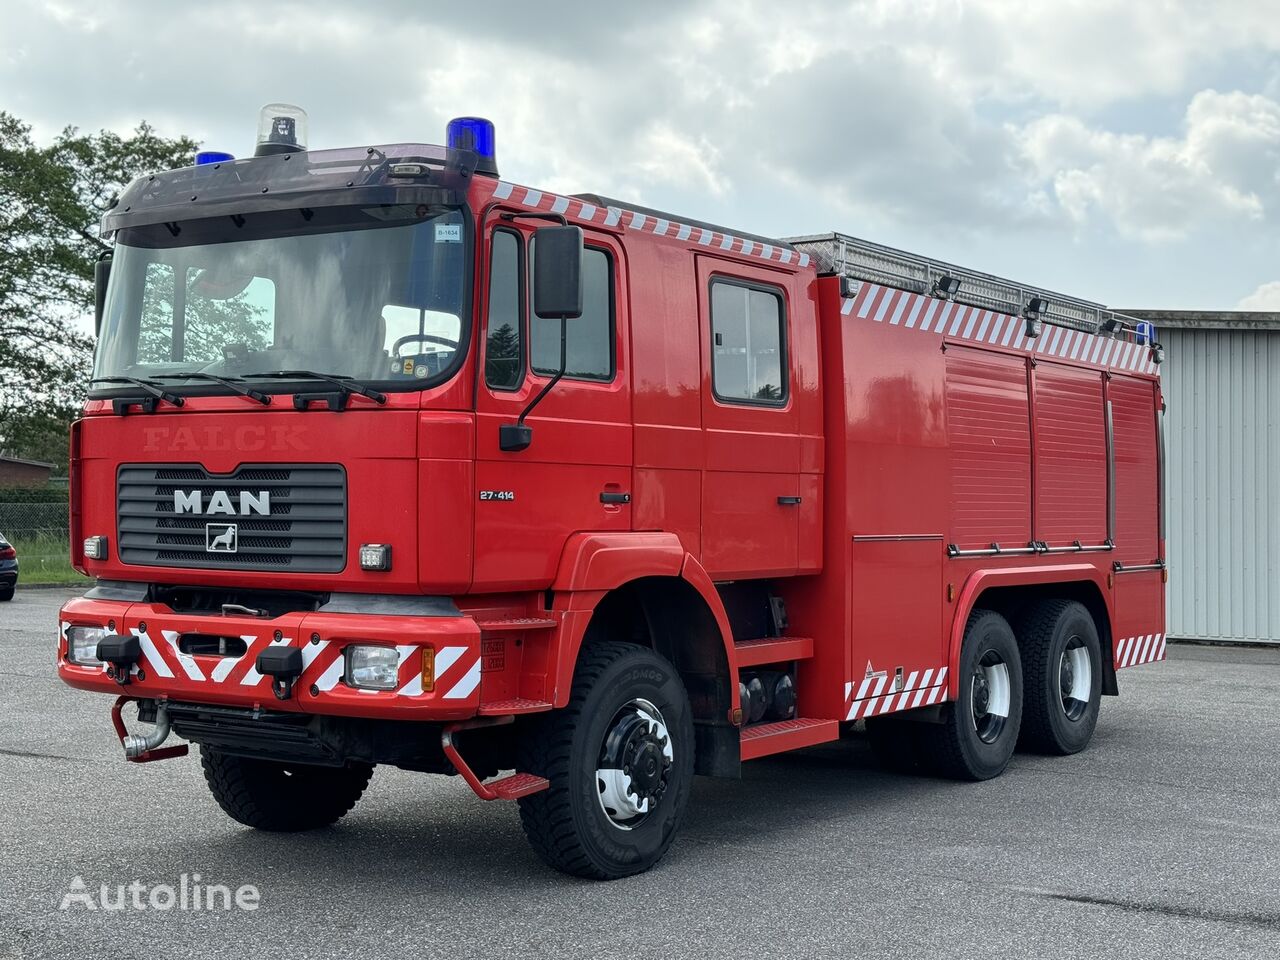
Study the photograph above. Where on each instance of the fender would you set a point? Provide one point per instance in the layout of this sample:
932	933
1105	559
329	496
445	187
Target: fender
982	579
592	564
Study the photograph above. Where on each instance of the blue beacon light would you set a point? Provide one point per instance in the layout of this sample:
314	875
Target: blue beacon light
212	156
475	134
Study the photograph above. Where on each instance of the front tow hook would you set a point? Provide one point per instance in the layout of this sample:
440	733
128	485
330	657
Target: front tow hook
142	748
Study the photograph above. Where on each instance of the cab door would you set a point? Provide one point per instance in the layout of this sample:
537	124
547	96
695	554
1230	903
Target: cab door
576	474
753	495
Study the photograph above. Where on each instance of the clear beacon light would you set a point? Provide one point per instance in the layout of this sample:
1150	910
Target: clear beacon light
282	128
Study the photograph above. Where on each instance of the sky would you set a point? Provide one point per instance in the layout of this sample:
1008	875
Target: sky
1122	152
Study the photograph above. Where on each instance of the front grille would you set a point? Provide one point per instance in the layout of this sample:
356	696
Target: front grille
304	529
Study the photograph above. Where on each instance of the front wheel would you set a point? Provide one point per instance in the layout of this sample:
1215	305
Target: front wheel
978	732
620	760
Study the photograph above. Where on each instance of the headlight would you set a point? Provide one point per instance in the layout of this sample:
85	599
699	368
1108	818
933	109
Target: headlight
82	645
372	667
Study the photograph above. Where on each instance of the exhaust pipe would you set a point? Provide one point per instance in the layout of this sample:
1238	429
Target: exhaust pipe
135	745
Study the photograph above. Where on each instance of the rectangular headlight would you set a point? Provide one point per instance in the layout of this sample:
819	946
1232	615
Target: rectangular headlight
82	645
95	548
372	667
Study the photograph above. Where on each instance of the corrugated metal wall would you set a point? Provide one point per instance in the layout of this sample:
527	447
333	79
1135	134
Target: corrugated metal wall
1223	434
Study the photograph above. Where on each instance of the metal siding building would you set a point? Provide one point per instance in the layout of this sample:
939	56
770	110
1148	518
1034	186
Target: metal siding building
1221	382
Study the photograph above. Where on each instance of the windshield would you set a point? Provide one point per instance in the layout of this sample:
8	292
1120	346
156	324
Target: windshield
376	293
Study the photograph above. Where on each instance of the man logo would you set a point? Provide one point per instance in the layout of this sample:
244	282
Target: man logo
221	537
219	502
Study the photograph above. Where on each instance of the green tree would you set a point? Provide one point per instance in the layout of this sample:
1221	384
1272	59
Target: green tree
51	199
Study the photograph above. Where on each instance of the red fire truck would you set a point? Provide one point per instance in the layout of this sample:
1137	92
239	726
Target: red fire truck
388	460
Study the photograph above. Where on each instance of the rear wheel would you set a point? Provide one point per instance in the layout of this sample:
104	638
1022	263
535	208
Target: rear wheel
6	593
285	797
976	737
620	761
1062	664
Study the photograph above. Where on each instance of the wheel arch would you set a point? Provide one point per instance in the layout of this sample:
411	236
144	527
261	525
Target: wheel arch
1010	591
645	589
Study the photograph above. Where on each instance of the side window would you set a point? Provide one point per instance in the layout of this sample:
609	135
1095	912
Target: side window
749	363
504	345
589	340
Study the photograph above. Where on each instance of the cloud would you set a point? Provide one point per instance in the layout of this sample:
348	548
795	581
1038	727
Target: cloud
1266	298
1038	135
1158	189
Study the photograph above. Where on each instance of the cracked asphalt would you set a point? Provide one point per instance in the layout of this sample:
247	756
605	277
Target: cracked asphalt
1161	840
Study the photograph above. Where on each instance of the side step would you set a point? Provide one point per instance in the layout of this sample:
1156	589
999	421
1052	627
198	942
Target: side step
517	785
499	708
763	739
505	624
753	653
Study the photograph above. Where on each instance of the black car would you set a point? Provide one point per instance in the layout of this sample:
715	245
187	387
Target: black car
8	569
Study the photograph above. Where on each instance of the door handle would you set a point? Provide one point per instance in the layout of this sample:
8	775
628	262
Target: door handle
788	501
607	497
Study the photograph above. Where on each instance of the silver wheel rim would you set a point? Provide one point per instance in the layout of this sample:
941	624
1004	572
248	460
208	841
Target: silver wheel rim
990	694
1075	679
634	764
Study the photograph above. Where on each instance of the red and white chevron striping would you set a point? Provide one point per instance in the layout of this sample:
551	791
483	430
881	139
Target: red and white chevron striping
1132	651
919	690
921	314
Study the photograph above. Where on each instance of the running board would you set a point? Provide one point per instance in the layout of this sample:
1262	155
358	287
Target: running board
763	739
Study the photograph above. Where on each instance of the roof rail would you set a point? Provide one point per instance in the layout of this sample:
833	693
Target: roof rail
863	260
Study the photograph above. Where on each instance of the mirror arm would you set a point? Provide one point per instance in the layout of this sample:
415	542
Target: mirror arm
518	435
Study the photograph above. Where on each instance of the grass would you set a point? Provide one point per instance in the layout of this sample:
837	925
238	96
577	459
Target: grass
45	560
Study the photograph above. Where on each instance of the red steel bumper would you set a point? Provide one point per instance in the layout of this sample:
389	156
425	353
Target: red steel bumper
164	671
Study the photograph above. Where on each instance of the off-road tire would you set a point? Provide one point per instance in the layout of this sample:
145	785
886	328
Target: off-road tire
7	594
953	748
282	797
1044	633
566	824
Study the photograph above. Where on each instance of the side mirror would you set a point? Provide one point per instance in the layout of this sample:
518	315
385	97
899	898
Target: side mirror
101	273
557	273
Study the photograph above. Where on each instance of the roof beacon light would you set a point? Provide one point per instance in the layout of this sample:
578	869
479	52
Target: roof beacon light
213	156
282	128
474	134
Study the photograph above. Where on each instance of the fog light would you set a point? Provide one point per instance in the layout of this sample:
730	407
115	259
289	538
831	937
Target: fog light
82	645
95	548
375	556
372	667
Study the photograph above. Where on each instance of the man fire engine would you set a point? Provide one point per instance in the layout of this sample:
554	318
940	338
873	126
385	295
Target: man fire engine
390	461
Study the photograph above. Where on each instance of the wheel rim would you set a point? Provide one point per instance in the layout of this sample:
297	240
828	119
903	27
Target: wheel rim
1075	679
989	696
634	766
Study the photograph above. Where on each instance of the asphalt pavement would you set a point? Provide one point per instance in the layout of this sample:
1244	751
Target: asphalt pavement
1161	840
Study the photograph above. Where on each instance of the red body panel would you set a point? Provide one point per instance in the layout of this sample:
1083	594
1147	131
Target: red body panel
914	433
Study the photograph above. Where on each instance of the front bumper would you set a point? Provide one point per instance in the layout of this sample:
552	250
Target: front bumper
166	672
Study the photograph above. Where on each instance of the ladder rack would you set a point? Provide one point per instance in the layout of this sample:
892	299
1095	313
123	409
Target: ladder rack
864	261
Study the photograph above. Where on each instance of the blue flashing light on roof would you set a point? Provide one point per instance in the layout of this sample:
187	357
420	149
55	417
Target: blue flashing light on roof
474	134
212	156
1145	332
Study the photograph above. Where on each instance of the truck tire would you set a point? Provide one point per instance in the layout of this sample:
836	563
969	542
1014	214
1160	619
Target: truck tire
1062	667
282	797
6	594
978	733
620	760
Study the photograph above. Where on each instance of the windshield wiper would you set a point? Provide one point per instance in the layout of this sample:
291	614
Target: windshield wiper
231	383
347	385
147	404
